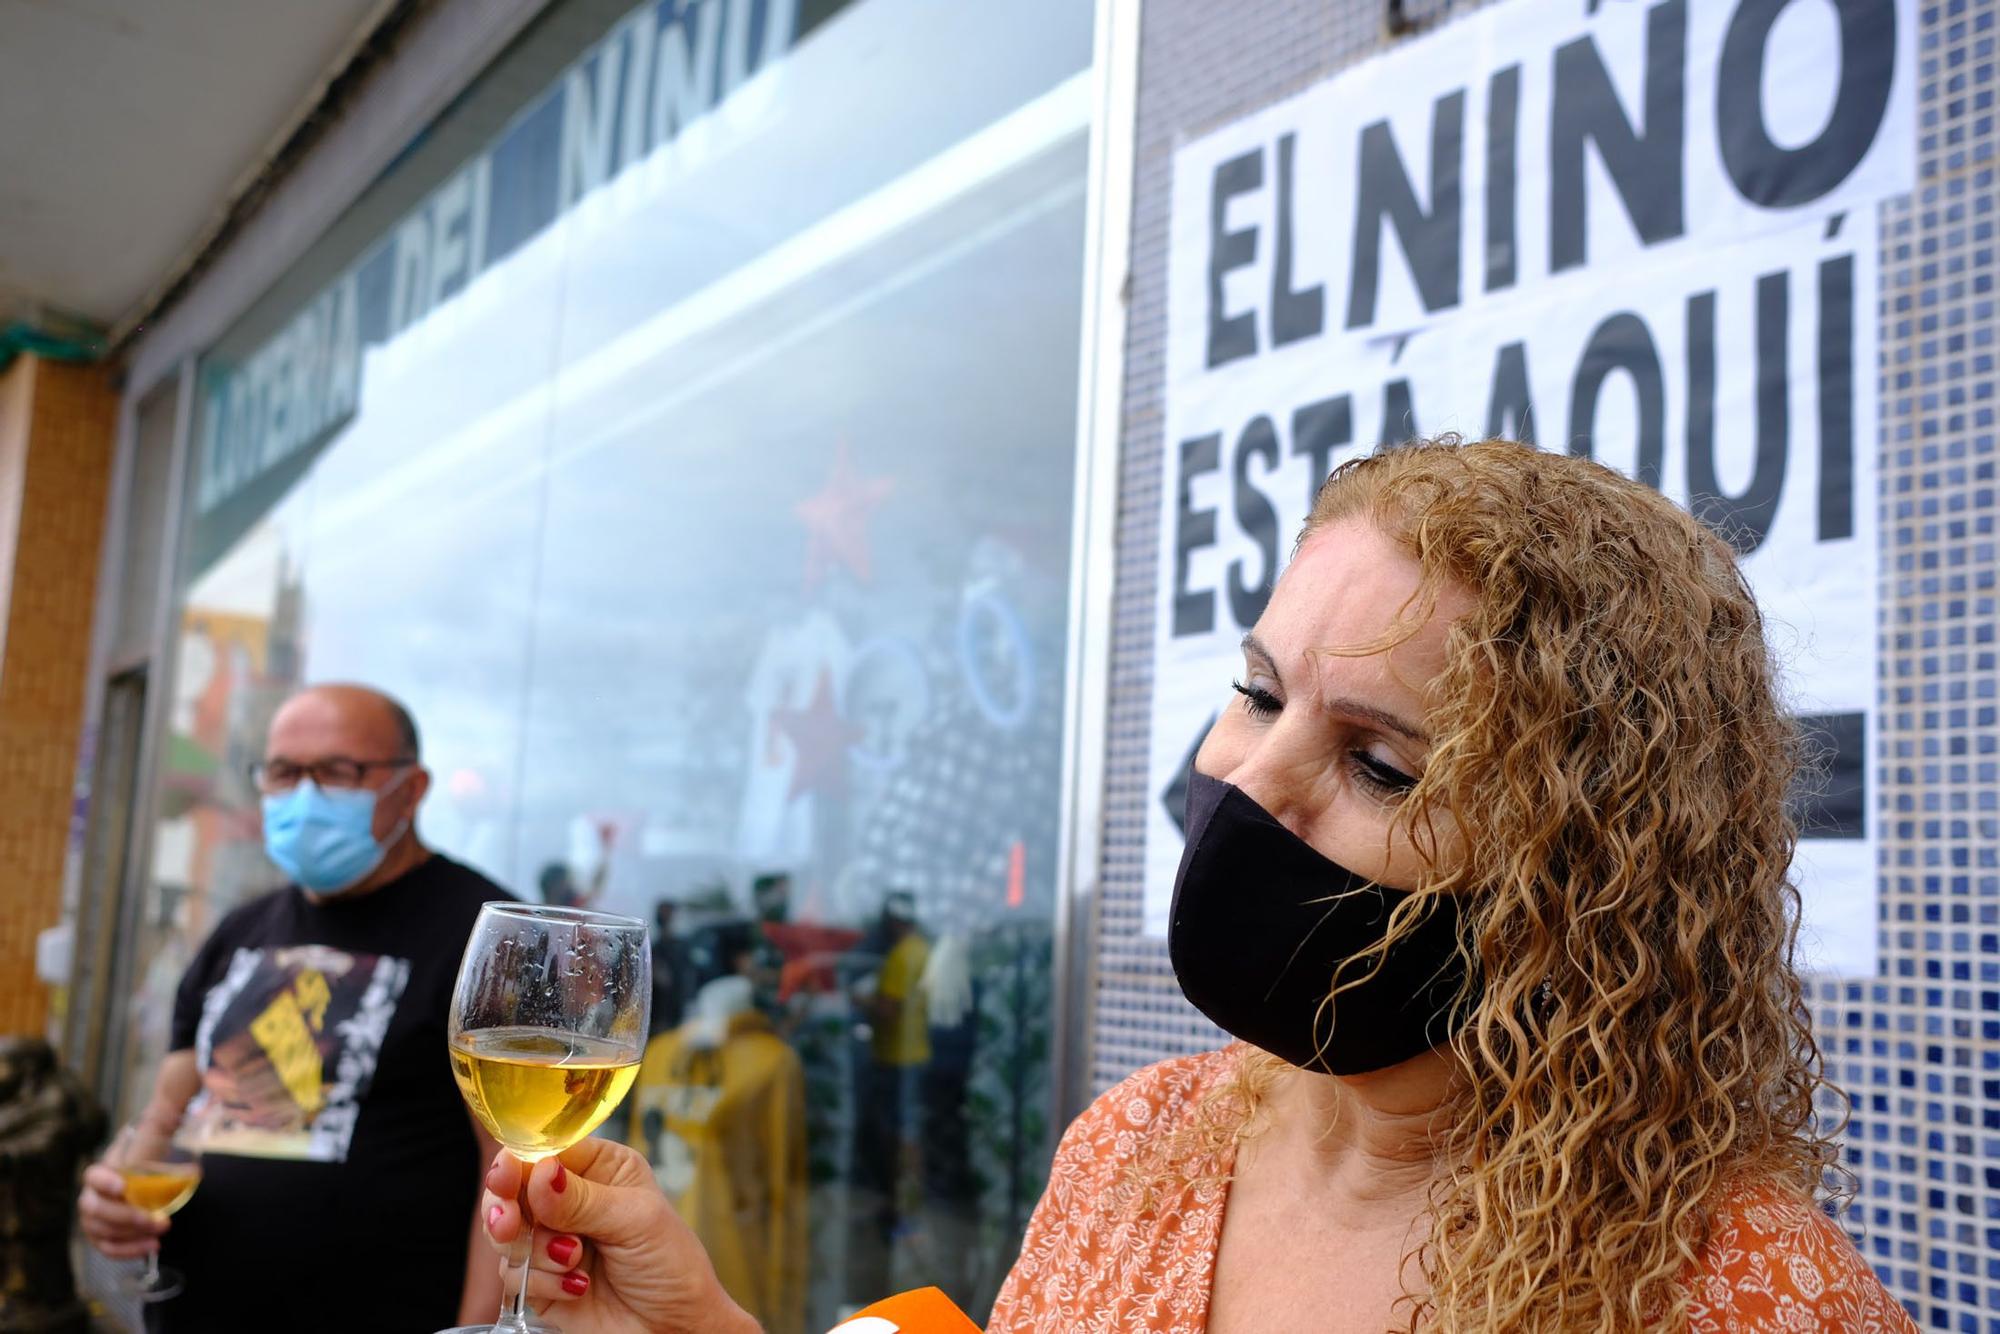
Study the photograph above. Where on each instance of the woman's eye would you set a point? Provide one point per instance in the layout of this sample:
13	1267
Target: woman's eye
1384	779
1260	702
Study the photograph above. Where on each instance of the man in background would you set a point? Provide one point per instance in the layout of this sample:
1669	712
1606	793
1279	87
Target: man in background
308	1041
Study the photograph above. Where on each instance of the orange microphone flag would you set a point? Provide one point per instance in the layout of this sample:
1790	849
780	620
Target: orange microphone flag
925	1311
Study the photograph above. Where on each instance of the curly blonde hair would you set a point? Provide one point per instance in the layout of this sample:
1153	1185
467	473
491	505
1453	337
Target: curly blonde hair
1612	754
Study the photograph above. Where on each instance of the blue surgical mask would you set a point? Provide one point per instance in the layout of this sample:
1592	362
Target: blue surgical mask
324	838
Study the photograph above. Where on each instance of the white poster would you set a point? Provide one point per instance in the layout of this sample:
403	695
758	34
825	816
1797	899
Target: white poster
1646	233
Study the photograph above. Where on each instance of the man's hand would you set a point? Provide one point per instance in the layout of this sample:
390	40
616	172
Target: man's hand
114	1227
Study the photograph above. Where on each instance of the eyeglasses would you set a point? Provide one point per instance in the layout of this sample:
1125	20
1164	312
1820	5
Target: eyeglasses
339	771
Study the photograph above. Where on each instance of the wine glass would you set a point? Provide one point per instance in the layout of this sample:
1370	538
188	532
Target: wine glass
160	1172
548	1023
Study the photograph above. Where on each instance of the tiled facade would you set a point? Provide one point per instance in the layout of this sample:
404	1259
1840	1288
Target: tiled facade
1918	1047
57	424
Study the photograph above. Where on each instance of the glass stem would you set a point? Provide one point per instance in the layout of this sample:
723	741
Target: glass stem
516	1320
519	1320
153	1268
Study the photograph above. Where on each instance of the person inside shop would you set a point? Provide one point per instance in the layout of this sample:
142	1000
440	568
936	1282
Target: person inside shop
723	949
771	904
771	896
673	971
561	888
1486	870
308	1046
897	1049
580	883
719	1111
950	993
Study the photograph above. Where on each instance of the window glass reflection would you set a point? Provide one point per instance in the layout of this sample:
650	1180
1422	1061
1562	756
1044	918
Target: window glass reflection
714	524
797	692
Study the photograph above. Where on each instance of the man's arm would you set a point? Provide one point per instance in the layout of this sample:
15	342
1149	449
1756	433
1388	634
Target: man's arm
480	1299
173	1089
109	1223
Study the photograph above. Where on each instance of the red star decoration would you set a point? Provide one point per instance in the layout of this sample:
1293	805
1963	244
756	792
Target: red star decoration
836	520
820	738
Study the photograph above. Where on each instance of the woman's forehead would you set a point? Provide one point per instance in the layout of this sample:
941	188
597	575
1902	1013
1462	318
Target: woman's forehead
1350	585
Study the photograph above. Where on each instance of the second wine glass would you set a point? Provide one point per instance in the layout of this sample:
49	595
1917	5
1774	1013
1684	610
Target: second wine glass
548	1023
160	1172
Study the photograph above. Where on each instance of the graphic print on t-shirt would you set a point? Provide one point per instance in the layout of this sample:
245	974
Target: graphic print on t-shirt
287	1046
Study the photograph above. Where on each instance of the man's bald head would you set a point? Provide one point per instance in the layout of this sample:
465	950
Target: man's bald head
355	721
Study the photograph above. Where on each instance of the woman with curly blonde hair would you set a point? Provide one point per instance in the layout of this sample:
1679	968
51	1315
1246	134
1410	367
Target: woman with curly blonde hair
1487	870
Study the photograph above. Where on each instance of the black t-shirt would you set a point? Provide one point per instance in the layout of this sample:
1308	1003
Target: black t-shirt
339	1192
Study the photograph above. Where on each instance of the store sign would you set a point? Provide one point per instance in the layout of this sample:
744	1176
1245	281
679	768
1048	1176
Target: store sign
664	68
1642	233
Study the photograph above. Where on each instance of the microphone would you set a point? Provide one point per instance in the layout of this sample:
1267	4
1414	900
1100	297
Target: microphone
925	1311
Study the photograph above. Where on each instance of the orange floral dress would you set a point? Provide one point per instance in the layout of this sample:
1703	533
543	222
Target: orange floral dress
1090	1265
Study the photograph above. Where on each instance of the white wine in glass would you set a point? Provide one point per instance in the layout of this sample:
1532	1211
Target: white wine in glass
160	1173
548	1023
539	1092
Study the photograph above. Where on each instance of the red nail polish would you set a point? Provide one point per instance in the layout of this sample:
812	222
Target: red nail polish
560	1181
563	1249
493	1217
575	1283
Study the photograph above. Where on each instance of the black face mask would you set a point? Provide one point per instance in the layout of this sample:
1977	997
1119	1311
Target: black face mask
1261	923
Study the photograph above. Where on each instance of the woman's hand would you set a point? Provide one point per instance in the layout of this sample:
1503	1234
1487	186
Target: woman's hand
609	1248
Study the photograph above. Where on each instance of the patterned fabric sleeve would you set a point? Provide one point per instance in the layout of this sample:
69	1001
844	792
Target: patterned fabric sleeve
1779	1264
1050	1229
1092	1262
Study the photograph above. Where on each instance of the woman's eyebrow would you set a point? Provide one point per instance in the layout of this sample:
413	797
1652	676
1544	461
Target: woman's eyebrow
1253	647
1381	717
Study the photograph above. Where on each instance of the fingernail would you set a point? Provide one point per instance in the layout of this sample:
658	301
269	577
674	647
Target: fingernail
562	1249
574	1283
493	1217
560	1181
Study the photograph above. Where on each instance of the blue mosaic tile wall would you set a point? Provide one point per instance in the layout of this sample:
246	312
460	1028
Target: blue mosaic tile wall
1917	1049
